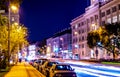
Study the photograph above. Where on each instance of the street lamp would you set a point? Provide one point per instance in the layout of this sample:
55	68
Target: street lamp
10	8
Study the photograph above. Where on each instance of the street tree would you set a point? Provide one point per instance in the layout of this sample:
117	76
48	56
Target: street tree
107	37
113	30
18	36
92	39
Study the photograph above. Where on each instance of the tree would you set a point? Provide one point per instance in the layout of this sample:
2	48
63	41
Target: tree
108	36
18	35
92	39
3	20
114	37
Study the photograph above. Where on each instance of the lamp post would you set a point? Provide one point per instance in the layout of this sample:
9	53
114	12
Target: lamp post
10	8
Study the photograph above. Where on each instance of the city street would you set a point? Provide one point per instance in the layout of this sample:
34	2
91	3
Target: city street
94	70
83	69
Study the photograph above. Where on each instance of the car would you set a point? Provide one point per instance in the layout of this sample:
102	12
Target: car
38	62
46	67
42	61
62	70
31	62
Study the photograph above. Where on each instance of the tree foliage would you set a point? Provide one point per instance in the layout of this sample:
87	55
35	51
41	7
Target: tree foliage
108	36
92	38
18	35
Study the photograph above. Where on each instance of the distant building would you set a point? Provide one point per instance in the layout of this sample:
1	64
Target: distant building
60	44
97	14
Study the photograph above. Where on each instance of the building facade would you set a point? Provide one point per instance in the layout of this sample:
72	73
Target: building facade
60	45
97	14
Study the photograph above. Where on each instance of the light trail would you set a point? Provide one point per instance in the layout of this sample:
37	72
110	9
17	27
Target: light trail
86	70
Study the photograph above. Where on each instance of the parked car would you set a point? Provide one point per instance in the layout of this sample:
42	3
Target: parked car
41	63
62	70
46	67
38	62
31	62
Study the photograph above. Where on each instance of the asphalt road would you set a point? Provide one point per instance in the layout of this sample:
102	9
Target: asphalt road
94	70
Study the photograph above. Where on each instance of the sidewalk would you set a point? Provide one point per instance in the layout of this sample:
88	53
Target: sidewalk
23	70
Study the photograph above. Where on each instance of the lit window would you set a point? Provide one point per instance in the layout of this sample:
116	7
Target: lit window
13	19
109	20
114	19
76	26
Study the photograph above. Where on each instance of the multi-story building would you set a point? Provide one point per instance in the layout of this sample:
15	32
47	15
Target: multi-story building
97	14
60	44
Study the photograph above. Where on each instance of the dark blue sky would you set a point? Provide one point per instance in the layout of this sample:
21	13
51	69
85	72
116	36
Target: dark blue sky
43	18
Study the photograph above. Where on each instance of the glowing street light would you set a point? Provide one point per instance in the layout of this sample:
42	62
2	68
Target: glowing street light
13	7
10	8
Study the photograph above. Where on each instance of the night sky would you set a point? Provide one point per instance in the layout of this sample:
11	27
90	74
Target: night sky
43	18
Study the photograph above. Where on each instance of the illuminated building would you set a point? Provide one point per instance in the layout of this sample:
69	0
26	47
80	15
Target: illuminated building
60	44
97	14
32	52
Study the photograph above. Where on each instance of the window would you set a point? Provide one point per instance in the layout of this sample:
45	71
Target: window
96	16
79	25
88	21
79	31
102	14
83	53
82	38
76	26
103	23
108	11
73	27
82	30
109	20
79	39
82	45
119	6
13	19
82	23
114	19
114	9
91	19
